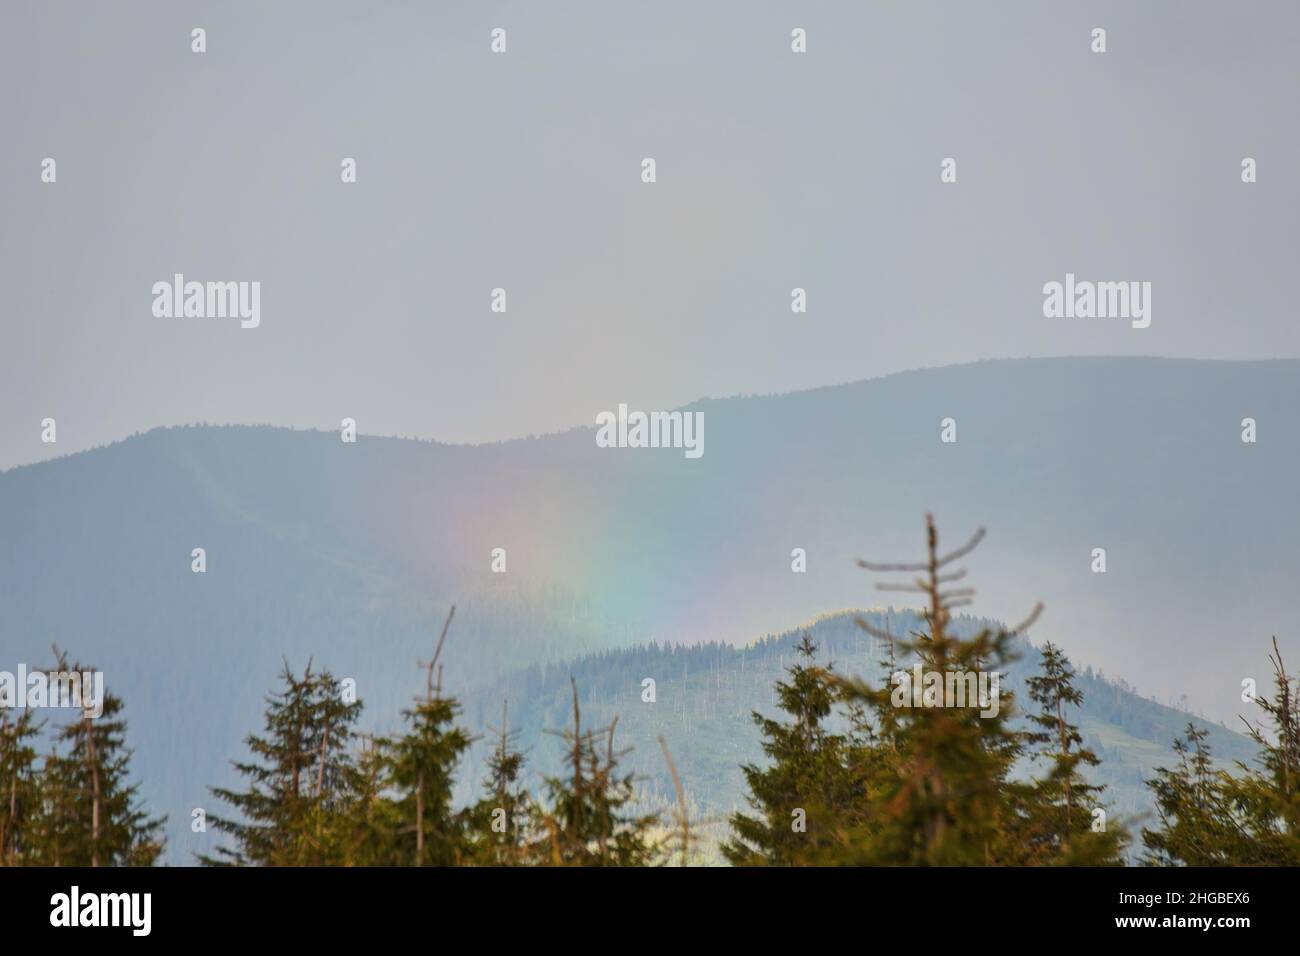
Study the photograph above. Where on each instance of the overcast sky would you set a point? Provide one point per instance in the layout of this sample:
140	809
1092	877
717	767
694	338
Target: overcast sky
522	170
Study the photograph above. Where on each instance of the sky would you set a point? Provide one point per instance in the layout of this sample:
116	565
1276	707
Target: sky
522	170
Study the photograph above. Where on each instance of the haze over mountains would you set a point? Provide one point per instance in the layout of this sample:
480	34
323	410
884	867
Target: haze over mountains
351	553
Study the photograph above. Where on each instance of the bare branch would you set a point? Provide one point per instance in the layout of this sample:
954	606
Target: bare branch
964	550
952	556
681	799
1027	622
437	651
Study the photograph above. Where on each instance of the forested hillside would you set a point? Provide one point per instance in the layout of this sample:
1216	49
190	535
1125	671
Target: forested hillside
706	694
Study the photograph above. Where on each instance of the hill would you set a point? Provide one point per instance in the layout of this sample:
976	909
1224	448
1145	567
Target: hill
705	696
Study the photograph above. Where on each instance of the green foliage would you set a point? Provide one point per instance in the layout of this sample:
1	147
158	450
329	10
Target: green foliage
1061	828
948	797
924	773
589	821
1269	795
370	820
802	797
89	814
1197	824
19	787
302	782
422	764
499	821
1208	817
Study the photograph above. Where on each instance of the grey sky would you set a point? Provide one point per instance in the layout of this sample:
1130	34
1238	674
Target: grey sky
522	171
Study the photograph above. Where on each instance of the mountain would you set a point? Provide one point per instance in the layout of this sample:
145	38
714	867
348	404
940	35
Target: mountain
351	553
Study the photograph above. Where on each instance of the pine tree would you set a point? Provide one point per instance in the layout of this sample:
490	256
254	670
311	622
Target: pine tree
590	821
90	815
1062	828
302	781
422	765
800	796
19	786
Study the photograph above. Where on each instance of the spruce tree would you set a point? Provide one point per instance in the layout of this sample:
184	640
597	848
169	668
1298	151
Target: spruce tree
90	814
1269	793
499	821
1062	829
950	798
372	820
800	796
1197	825
1209	817
19	786
422	766
590	820
301	783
